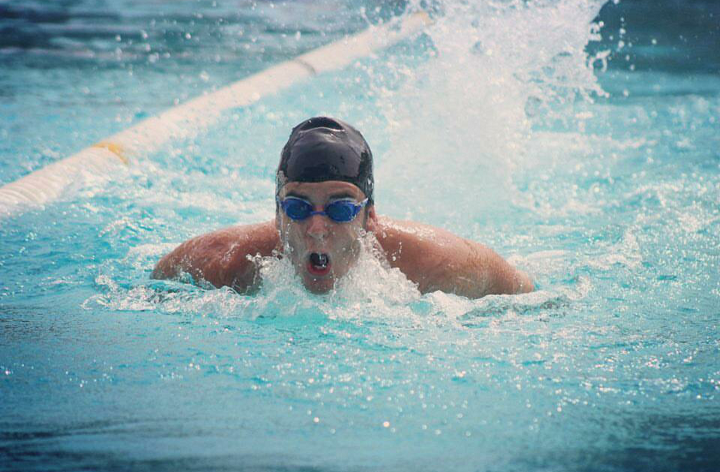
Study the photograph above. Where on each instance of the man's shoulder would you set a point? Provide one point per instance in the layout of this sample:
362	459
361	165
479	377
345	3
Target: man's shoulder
259	235
437	259
235	242
418	250
231	246
404	235
221	257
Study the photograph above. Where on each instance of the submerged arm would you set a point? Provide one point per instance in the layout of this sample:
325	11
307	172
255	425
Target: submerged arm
436	259
221	257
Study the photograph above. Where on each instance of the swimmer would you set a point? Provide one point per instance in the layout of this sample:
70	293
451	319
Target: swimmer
324	207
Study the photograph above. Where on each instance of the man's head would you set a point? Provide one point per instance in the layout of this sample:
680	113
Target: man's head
327	164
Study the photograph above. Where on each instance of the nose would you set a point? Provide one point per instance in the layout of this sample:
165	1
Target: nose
317	227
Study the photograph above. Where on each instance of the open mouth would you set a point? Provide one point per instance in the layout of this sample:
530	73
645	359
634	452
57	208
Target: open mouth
319	264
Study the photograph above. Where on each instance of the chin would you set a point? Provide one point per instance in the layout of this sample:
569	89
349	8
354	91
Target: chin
319	287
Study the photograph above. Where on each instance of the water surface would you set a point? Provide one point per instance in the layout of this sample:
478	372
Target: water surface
579	140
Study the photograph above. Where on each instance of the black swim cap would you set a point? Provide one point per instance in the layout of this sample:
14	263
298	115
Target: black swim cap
321	149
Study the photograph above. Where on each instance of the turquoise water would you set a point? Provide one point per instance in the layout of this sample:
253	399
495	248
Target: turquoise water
587	155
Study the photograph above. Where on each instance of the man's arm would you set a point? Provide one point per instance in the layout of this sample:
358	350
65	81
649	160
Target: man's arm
220	257
436	259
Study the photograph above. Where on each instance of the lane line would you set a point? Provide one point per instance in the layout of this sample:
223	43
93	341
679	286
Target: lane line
56	180
115	149
307	65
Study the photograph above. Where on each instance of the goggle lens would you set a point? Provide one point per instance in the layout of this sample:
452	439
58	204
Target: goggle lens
297	209
342	211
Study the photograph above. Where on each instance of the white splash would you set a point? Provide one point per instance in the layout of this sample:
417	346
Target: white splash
466	115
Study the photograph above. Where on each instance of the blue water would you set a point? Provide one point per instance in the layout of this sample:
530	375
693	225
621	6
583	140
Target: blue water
587	155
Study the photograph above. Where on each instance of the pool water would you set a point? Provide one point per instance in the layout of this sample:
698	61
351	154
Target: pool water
580	140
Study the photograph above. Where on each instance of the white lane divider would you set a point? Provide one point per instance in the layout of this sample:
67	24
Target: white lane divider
183	121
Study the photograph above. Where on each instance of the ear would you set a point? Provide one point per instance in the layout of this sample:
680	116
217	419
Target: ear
371	220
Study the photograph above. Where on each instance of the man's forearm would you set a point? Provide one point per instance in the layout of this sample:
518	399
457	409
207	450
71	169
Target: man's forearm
495	275
523	282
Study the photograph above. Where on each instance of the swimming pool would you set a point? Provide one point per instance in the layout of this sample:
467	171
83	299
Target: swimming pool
602	181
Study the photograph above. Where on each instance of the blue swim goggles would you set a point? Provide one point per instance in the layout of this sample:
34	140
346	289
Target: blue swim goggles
340	211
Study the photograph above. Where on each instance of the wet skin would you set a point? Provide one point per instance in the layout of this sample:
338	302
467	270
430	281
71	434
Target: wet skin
320	239
322	250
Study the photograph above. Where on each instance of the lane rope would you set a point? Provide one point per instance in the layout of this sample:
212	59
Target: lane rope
56	180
